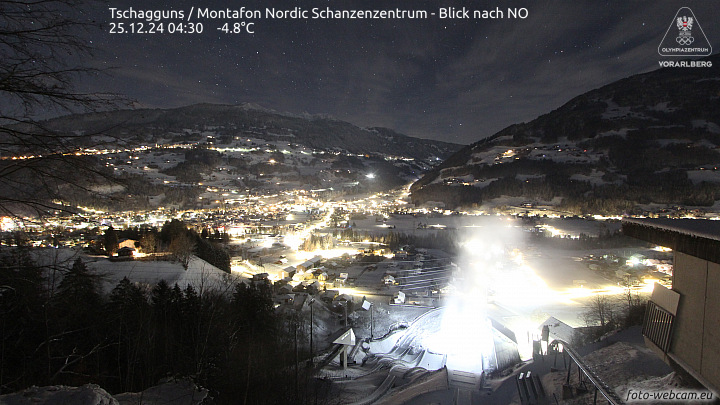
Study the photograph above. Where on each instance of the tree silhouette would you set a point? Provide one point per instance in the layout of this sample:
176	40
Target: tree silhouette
22	306
40	44
110	241
77	334
183	247
128	311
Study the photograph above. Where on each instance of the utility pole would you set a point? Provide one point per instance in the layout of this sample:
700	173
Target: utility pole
297	371
312	354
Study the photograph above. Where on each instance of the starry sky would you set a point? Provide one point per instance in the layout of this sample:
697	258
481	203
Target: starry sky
446	79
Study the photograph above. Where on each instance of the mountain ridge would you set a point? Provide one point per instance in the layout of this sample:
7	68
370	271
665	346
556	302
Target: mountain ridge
201	155
315	131
607	145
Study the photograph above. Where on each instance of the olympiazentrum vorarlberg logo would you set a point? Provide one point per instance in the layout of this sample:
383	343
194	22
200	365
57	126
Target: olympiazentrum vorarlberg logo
685	37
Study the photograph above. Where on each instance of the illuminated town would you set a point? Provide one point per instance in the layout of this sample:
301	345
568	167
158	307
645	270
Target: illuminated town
374	248
450	205
475	281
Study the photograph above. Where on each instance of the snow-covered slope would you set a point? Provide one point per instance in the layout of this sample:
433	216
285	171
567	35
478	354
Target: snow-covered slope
652	137
205	155
199	274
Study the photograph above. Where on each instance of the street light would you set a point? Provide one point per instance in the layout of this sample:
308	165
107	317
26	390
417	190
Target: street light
346	306
372	321
368	306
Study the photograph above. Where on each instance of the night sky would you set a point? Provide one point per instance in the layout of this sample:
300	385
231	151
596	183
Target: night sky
454	80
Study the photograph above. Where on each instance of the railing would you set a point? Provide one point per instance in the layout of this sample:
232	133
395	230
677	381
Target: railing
658	326
600	385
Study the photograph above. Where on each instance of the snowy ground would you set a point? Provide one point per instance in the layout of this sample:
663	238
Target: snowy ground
179	392
200	274
544	281
699	176
624	364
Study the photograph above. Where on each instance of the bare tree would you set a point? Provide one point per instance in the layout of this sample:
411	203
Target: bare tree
601	310
635	313
630	294
183	247
43	47
149	243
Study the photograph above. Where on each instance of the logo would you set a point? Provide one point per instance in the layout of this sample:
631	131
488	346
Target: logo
684	24
685	37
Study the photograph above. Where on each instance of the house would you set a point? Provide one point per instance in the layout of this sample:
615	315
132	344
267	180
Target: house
400	255
129	243
283	299
682	324
309	264
329	295
558	329
284	289
342	300
342	280
287	272
260	278
313	287
125	252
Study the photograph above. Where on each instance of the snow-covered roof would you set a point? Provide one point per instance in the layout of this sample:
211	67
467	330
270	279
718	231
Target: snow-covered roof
696	237
307	264
559	329
703	228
